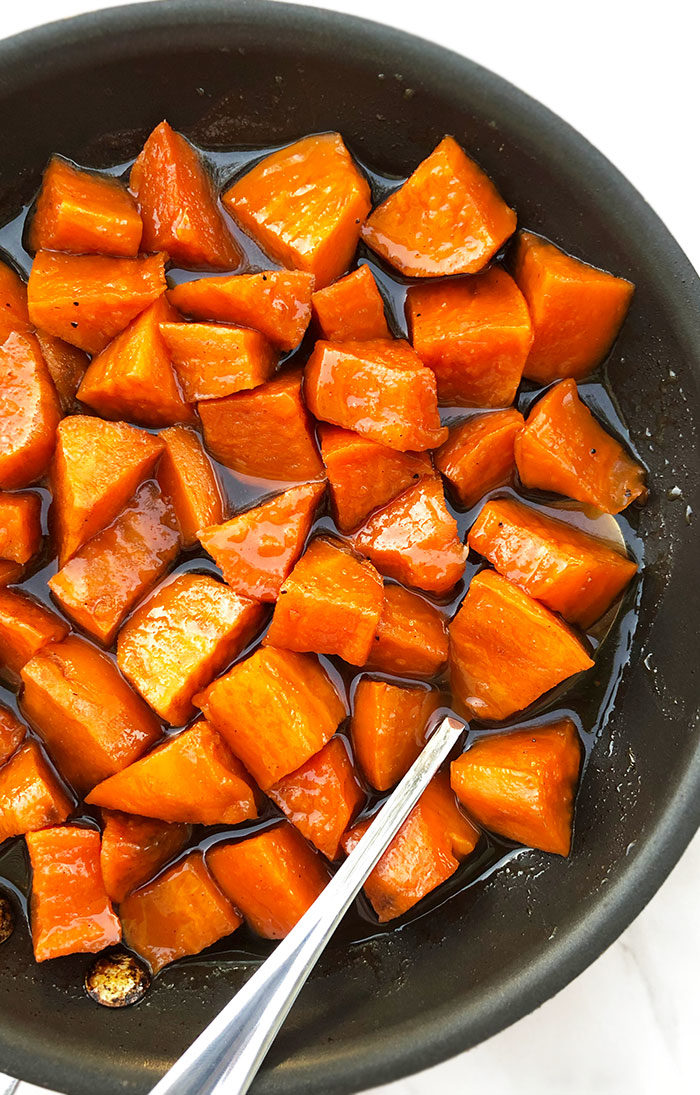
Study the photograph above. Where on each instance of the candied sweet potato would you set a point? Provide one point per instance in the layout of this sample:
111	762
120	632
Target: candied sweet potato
66	365
189	481
88	299
100	583
522	784
192	777
475	334
576	309
9	572
272	877
447	218
26	626
91	721
257	549
479	454
304	205
181	912
415	539
389	723
20	526
178	204
351	309
12	733
506	649
14	314
266	432
564	449
411	639
330	604
134	849
380	389
29	412
213	360
185	633
322	797
275	709
31	794
84	212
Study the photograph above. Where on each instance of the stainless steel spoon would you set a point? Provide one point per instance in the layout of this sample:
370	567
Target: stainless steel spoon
228	1053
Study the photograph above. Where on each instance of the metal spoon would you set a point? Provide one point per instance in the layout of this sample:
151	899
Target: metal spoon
228	1053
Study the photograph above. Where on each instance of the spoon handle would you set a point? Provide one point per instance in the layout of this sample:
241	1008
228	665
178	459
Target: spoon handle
228	1053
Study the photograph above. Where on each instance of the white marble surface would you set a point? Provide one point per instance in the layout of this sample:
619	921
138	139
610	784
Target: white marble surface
626	75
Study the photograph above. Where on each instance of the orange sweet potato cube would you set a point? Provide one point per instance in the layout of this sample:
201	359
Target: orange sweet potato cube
330	603
266	433
181	912
26	626
176	642
272	877
351	309
213	360
135	848
31	794
379	388
257	549
66	365
415	539
29	412
411	639
576	309
99	585
506	649
447	218
304	205
9	572
475	334
12	733
92	723
389	724
178	204
522	784
322	797
20	526
14	314
275	709
84	212
479	454
189	481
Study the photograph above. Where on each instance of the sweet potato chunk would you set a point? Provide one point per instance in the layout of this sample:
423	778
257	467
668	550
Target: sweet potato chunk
12	733
322	797
29	412
475	334
100	584
84	212
91	721
330	604
447	218
257	549
425	852
133	377
506	649
479	454
9	572
564	449
277	303
20	526
304	205
180	913
181	637
134	849
70	910
26	626
415	539
389	723
189	481
273	878
266	433
178	204
522	784
31	794
212	360
192	777
88	299
364	475
567	569
66	365
411	638
576	309
380	389
275	709
14	315
96	469
351	309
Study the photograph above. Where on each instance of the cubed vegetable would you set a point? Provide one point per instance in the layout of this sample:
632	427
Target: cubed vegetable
12	733
134	849
29	412
351	308
479	454
9	572
20	526
26	625
213	360
14	315
411	638
31	794
189	481
389	724
66	365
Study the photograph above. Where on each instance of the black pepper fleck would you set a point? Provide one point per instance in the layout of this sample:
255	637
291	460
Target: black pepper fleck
74	323
592	452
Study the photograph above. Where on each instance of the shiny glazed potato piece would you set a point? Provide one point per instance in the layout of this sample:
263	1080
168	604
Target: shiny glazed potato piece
564	449
507	650
134	849
84	212
380	389
189	481
479	454
411	639
276	709
212	360
90	720
178	204
180	913
388	728
12	733
9	572
304	205
351	309
20	526
66	365
330	604
29	412
14	315
273	878
522	784
26	625
447	218
181	637
31	794
257	549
